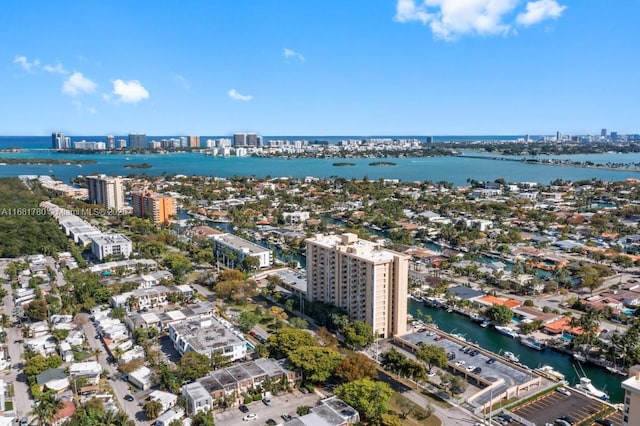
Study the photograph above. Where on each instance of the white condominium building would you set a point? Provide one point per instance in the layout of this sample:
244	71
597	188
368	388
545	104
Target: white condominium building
366	280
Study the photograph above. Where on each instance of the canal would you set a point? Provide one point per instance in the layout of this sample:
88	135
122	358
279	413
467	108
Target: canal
488	338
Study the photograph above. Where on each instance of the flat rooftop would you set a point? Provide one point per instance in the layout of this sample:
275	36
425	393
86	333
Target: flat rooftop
362	249
240	243
204	334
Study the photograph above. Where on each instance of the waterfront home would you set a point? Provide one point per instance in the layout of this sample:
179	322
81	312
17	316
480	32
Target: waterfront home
489	300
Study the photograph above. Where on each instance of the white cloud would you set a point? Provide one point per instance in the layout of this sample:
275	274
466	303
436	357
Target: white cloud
77	84
57	69
289	53
233	94
540	10
450	19
25	64
130	92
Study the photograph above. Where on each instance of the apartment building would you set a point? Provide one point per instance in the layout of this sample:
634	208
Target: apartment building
160	208
362	277
106	191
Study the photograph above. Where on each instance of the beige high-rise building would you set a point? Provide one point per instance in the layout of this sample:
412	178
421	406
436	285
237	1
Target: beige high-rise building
631	386
106	191
194	141
366	280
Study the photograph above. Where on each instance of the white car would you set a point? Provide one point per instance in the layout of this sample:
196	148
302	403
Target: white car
460	363
470	368
250	416
564	391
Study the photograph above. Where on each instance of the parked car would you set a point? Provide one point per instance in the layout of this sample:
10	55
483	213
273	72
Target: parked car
451	355
564	391
250	416
129	398
266	401
244	408
286	417
24	421
604	422
491	360
477	370
474	352
271	422
460	363
560	422
567	419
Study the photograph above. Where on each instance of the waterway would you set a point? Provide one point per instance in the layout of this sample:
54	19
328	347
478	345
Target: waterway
455	170
488	338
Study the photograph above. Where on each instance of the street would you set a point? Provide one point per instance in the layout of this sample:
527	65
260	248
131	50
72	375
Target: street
120	387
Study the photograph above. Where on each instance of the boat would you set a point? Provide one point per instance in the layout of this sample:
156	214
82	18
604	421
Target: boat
579	357
550	373
511	356
485	324
532	343
586	386
507	331
618	371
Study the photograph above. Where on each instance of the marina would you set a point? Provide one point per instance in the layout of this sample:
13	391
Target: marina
561	363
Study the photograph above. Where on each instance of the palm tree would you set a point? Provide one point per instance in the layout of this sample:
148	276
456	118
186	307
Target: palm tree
46	408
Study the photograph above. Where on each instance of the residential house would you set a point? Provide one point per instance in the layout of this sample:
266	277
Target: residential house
197	398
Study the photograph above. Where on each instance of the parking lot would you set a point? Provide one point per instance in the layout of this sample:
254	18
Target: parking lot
549	407
286	403
465	361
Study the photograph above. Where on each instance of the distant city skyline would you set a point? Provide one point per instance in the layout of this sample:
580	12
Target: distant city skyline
390	67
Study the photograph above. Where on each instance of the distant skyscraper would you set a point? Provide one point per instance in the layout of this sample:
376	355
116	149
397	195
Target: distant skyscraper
252	139
194	141
111	142
239	139
106	191
366	280
603	133
137	140
429	139
57	140
558	136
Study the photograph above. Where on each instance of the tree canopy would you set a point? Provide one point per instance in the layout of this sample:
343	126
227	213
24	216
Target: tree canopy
369	397
316	363
499	314
356	366
193	365
286	340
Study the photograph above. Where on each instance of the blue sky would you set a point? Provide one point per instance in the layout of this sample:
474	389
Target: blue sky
319	67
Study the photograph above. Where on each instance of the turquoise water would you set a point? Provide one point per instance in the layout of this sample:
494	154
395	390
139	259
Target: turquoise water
495	342
450	169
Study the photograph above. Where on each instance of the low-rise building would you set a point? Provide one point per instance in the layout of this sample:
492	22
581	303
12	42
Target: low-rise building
168	400
207	335
197	398
232	381
232	250
141	378
105	245
88	369
171	415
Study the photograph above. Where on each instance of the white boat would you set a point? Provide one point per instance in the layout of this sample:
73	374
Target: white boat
507	331
511	356
579	357
485	324
585	385
532	343
550	373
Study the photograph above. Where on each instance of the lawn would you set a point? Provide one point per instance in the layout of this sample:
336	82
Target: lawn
397	401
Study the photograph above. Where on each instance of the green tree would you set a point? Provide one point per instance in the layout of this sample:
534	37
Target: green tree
297	322
250	264
193	365
178	264
247	320
60	334
203	418
46	408
152	409
37	310
358	334
499	314
316	363
432	355
356	366
369	397
286	340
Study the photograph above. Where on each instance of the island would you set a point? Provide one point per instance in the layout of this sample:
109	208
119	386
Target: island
47	161
343	164
382	163
138	166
